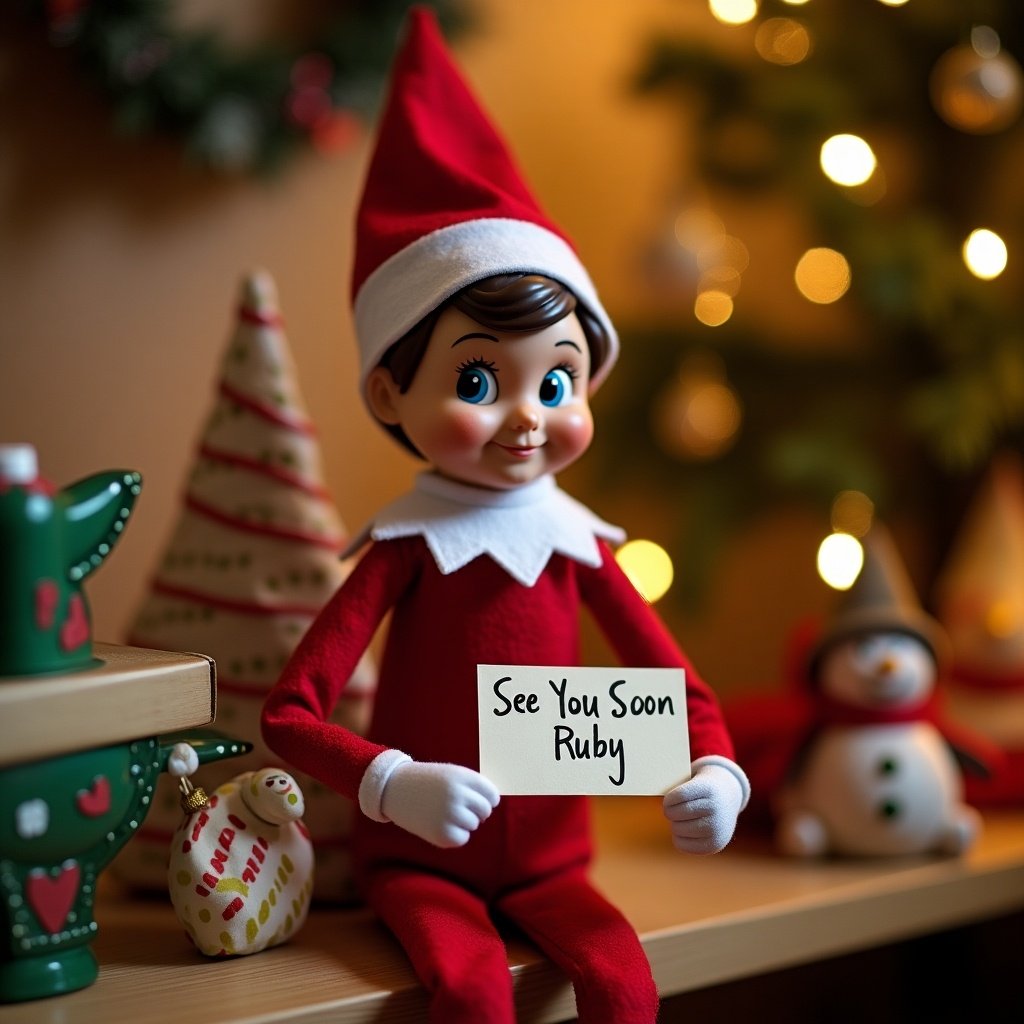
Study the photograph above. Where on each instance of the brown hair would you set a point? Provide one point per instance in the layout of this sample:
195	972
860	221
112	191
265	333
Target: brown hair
504	302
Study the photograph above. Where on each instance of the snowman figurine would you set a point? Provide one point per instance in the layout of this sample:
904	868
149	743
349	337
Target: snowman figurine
876	774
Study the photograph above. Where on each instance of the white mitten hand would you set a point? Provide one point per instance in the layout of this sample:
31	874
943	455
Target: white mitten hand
703	810
441	803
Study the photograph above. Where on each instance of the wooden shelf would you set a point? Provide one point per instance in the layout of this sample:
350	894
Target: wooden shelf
130	693
703	921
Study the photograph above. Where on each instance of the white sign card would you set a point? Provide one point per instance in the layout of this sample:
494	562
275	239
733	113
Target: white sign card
583	731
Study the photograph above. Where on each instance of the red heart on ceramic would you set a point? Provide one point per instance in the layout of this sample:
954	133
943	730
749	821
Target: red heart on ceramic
51	898
74	631
95	801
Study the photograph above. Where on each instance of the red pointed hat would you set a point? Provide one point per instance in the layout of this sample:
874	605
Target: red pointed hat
444	206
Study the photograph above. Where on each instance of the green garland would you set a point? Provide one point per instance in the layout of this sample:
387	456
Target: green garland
234	111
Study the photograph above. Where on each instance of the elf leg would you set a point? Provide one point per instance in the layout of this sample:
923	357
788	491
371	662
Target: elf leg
455	950
593	943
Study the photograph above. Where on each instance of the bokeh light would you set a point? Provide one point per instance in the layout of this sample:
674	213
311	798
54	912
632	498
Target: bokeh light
985	254
713	308
847	160
724	250
978	87
852	512
698	415
695	226
782	41
720	279
822	275
648	566
840	560
733	12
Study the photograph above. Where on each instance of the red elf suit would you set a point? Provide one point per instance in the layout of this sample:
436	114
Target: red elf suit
474	575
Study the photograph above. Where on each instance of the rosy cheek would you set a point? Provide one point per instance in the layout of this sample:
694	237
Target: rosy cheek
577	431
462	427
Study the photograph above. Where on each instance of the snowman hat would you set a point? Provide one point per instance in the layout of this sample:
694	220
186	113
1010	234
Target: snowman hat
444	206
882	599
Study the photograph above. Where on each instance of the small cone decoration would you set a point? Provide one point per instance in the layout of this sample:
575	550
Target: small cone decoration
253	559
980	594
980	600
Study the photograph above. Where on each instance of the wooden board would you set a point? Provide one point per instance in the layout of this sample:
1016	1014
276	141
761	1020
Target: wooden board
130	694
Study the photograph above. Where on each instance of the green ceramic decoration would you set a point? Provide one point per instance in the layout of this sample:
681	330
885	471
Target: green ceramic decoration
61	821
63	818
51	540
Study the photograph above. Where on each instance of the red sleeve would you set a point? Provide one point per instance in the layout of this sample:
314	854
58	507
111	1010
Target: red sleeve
640	639
295	716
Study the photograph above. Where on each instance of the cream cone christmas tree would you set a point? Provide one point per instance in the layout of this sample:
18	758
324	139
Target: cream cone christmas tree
980	594
980	599
254	557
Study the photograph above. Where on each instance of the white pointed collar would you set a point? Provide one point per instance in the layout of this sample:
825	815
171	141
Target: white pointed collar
520	528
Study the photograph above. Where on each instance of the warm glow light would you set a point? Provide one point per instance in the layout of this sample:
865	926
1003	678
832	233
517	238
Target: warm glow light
648	567
733	12
852	512
840	559
728	251
696	226
714	415
782	41
847	160
893	3
698	415
713	308
822	275
1002	620
985	41
984	253
720	279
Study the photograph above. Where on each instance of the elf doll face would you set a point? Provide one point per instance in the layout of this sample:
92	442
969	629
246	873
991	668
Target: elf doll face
494	408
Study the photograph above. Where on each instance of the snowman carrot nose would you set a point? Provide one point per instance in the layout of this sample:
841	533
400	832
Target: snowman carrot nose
885	667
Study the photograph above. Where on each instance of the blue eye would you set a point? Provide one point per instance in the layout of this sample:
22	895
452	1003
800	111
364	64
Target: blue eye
477	384
556	388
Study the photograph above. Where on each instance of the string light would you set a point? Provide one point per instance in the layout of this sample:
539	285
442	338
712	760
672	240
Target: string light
840	560
847	160
822	275
648	566
719	258
733	12
713	308
985	254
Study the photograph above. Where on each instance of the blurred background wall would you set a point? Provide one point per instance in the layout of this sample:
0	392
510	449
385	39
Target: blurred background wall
120	263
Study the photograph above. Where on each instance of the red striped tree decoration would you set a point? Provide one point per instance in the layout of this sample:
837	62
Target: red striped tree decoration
980	600
253	558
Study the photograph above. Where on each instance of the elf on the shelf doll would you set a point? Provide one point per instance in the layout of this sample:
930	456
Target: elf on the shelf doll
481	338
